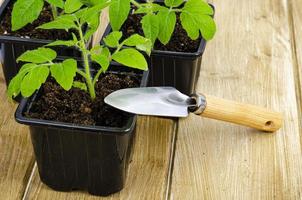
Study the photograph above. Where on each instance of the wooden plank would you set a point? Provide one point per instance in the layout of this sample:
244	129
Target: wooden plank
295	20
148	171
250	60
16	155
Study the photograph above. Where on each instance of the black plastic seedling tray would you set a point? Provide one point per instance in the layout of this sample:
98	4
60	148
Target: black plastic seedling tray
71	157
176	69
12	47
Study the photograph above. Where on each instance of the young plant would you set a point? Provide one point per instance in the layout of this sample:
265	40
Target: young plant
41	62
26	11
159	21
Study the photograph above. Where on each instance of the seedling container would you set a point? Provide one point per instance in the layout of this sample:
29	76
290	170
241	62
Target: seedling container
72	157
170	68
12	47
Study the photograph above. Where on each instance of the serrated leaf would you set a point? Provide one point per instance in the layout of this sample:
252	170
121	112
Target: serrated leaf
140	42
64	22
80	12
72	5
14	87
80	85
146	8
131	58
64	73
24	12
198	6
167	24
112	40
33	80
101	55
40	55
56	3
174	3
207	27
150	25
118	13
90	2
190	24
90	14
67	43
101	60
191	18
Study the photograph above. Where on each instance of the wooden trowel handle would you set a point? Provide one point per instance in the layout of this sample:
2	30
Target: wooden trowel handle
242	114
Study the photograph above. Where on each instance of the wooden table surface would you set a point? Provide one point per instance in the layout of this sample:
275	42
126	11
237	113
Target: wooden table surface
255	57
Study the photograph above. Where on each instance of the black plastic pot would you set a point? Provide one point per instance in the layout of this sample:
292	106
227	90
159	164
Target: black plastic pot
71	157
177	69
12	47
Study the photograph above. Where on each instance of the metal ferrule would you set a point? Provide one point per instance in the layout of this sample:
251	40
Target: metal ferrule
200	103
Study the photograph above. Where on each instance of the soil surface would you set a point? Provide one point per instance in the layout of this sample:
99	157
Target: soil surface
30	31
179	41
75	106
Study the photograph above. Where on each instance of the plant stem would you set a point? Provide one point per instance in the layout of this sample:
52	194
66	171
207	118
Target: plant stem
81	73
54	12
135	3
86	63
97	76
176	10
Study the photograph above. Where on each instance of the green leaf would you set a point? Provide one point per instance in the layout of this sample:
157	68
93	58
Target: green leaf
68	43
33	80
207	27
101	60
40	55
112	40
140	42
80	85
98	49
167	24
198	6
146	8
72	6
24	12
118	13
195	16
64	72
150	25
174	3
56	3
90	2
14	87
90	14
63	22
74	38
101	55
131	58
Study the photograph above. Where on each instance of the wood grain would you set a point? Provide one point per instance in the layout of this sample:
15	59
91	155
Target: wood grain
16	156
250	60
148	171
295	21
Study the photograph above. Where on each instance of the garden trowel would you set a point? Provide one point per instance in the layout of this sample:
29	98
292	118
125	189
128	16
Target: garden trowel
169	102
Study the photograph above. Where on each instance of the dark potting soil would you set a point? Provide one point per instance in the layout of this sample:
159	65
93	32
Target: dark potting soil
30	31
179	42
75	106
